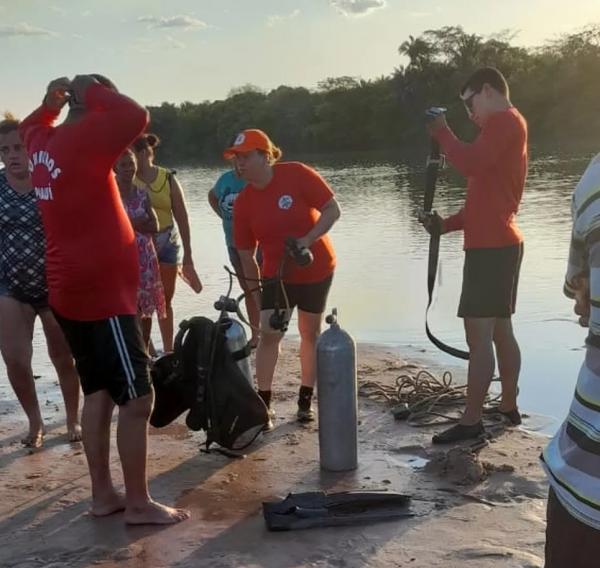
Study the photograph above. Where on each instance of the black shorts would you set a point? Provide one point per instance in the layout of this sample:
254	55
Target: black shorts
311	298
109	355
490	281
38	303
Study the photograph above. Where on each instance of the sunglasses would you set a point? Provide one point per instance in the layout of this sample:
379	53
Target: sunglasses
468	102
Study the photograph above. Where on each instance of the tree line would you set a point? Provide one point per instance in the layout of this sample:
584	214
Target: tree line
556	86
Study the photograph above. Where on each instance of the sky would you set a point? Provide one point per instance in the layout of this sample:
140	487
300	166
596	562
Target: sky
196	50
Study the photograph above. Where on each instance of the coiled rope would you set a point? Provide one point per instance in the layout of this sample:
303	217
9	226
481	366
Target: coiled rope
422	398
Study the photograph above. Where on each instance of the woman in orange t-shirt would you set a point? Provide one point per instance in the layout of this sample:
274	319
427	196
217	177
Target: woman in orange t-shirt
282	201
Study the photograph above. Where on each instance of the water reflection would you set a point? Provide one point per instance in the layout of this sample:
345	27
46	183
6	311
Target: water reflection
379	288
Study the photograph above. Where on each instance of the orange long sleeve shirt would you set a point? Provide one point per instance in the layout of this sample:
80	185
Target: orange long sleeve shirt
495	165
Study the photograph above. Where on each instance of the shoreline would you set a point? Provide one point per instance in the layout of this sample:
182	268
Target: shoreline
471	510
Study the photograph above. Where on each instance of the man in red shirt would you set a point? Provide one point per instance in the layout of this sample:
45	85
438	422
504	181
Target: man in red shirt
495	165
92	273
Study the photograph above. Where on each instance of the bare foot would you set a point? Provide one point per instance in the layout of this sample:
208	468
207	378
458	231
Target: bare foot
109	505
74	432
35	438
154	513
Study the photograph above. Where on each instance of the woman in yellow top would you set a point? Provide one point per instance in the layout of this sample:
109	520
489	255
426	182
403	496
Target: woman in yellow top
172	242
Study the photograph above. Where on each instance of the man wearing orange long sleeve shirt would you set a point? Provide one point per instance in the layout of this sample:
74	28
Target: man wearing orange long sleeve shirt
495	165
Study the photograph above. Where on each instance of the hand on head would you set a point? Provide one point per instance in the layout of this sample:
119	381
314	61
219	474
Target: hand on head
57	93
61	91
79	85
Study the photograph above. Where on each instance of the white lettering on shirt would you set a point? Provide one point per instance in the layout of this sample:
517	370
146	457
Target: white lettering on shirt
44	193
42	158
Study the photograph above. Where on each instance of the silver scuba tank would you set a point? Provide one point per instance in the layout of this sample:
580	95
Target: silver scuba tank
237	344
337	391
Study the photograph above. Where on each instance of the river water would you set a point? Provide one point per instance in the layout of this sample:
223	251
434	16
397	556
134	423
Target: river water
380	285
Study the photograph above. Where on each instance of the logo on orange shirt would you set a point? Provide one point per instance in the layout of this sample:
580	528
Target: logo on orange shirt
285	202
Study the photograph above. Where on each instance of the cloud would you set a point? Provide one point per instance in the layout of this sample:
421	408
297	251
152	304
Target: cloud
357	7
173	43
24	30
275	20
185	22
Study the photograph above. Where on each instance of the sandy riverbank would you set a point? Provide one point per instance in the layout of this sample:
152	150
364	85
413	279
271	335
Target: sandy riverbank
469	513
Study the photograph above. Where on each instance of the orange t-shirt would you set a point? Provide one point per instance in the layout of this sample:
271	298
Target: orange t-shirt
287	207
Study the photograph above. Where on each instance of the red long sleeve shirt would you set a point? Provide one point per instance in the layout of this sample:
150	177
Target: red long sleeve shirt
91	257
496	168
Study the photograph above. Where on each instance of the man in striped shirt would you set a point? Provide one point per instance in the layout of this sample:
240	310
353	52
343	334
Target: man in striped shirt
572	458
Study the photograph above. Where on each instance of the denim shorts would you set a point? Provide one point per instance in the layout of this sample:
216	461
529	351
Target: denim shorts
168	246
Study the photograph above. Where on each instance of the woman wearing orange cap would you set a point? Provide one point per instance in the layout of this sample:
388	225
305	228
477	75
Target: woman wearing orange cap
283	200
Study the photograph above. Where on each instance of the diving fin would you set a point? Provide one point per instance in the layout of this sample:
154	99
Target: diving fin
318	509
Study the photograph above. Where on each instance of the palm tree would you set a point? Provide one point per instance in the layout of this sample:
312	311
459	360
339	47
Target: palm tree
419	51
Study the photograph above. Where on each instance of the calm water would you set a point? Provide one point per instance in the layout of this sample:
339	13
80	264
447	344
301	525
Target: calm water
379	288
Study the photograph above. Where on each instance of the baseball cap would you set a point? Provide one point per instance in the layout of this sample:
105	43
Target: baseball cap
252	139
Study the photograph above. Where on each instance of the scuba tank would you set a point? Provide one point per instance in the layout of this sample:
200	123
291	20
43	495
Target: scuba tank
338	405
235	335
237	344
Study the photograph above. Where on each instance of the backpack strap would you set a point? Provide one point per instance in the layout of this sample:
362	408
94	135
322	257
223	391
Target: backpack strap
212	346
242	353
184	326
196	354
171	177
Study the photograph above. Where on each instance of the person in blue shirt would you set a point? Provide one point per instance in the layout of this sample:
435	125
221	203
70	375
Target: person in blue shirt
221	198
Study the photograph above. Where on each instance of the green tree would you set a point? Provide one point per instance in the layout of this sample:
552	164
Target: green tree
556	86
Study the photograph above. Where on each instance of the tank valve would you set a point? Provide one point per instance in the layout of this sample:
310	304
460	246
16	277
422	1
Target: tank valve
332	317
